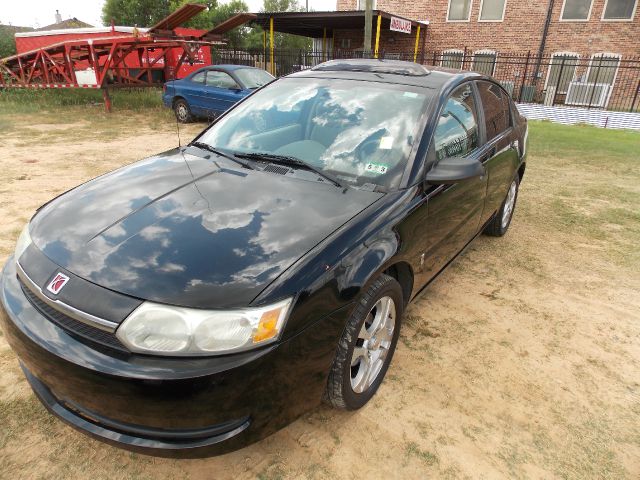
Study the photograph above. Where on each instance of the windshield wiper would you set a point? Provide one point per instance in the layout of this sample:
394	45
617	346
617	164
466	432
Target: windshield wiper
209	148
290	161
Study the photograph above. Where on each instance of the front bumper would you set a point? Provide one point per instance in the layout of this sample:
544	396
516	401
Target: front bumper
178	407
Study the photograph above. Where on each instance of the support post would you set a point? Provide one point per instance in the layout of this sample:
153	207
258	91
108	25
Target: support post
333	44
264	48
415	50
273	63
368	20
107	100
378	36
324	44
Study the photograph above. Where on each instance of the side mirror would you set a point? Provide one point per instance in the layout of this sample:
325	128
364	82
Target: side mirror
454	170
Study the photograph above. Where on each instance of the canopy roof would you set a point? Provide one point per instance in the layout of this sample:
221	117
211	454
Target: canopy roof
312	24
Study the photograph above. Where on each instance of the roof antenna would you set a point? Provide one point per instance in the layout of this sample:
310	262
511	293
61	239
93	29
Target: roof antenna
178	130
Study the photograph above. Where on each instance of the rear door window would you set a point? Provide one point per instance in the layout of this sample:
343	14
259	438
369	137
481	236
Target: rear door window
457	131
495	104
198	77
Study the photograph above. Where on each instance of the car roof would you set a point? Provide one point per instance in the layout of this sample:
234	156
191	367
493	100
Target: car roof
227	67
389	71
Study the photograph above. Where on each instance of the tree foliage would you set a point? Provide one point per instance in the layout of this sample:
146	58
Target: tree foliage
282	41
7	44
145	13
141	13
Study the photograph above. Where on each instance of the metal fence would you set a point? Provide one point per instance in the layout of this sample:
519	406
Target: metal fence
600	81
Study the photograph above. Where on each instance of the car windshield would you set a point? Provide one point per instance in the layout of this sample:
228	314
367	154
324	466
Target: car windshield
360	132
253	77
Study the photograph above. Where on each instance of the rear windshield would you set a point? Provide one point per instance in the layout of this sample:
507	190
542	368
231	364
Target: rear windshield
253	77
361	132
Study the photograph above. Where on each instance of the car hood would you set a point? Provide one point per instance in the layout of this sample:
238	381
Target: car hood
186	230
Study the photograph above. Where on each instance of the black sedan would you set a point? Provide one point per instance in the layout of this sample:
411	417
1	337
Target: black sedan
199	300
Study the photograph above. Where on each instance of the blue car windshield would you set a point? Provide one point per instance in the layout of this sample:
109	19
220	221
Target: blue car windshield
253	77
360	132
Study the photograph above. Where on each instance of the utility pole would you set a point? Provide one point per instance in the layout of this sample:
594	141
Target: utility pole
368	19
307	5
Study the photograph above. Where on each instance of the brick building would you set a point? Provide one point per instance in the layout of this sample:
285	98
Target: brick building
584	27
588	51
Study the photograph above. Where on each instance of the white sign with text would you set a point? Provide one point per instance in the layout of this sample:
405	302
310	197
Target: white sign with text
400	25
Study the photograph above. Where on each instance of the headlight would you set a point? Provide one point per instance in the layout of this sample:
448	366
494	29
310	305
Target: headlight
165	330
24	240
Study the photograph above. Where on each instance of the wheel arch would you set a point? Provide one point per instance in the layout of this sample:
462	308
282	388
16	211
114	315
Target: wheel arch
521	170
176	98
402	272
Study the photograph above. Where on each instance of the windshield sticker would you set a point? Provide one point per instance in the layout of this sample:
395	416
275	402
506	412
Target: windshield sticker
410	94
386	143
376	168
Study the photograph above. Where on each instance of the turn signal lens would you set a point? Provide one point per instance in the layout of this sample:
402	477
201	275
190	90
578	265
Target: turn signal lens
268	326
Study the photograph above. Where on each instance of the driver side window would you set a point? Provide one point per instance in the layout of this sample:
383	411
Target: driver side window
220	80
457	131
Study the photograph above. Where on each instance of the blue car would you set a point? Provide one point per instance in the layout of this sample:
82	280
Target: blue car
212	90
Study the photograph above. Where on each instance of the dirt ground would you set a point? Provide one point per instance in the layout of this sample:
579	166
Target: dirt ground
520	361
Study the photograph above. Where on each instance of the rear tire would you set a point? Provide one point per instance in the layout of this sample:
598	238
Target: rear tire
500	223
366	347
182	111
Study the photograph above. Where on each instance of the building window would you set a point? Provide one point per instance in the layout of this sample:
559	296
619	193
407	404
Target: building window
459	10
484	62
362	4
562	70
492	10
576	10
452	59
603	68
619	9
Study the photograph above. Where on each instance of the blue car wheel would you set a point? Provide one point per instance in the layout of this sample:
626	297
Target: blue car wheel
182	111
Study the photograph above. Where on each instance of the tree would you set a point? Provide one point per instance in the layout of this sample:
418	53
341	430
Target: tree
216	14
145	13
282	41
7	44
142	13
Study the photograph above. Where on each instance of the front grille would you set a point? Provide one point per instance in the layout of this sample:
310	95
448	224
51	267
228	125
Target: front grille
71	325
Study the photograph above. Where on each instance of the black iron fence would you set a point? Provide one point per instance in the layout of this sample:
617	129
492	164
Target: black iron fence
604	81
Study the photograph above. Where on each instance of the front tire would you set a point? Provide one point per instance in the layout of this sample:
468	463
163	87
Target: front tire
500	223
182	111
366	346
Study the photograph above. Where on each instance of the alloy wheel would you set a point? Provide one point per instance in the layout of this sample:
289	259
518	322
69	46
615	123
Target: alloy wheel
509	203
373	344
181	112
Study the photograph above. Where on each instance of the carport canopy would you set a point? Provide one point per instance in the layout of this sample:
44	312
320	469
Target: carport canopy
319	24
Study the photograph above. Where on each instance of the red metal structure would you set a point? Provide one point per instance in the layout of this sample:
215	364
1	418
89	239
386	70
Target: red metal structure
130	58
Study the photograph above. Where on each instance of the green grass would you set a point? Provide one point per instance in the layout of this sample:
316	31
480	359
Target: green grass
586	186
587	145
413	450
32	101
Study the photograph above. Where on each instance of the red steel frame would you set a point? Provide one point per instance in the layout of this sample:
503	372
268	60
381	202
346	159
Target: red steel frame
55	66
